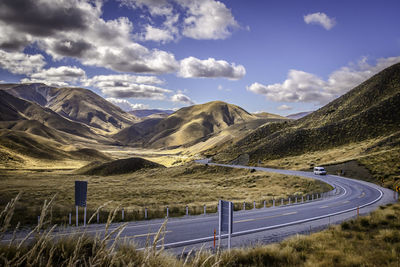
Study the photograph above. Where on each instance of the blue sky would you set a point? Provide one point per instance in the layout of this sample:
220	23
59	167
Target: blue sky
276	56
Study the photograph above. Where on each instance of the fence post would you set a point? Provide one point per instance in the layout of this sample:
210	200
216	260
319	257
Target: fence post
70	218
254	205
289	201
312	197
265	204
123	214
145	213
167	212
98	217
308	197
295	200
244	205
302	199
38	219
273	202
187	210
205	209
281	201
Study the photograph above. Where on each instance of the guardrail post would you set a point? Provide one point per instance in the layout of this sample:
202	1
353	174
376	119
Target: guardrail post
123	214
70	218
244	205
254	205
308	197
312	197
295	200
265	204
281	201
289	201
273	202
98	217
302	199
187	210
167	212
145	213
205	209
38	219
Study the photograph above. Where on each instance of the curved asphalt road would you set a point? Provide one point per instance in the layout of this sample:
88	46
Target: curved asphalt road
196	231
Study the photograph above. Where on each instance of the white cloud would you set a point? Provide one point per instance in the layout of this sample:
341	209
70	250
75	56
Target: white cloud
320	19
181	98
127	86
20	63
207	19
157	35
301	86
120	80
210	68
284	107
125	104
134	91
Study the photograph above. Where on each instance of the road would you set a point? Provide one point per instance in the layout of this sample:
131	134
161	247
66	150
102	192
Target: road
265	224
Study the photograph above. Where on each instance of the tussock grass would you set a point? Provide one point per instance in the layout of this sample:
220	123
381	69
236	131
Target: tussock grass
372	240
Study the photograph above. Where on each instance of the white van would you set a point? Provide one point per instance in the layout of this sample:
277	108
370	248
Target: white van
319	171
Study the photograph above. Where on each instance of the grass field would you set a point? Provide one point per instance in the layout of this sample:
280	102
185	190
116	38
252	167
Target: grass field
191	184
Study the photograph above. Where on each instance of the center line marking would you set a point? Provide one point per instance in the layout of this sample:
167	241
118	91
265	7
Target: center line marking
267	217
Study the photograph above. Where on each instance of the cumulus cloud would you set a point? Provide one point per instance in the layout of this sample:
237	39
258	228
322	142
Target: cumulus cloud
20	63
125	104
60	76
321	19
181	98
210	68
301	86
120	80
284	107
74	28
207	19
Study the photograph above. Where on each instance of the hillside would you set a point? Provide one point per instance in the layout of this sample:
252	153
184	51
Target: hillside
191	125
370	111
120	166
14	109
77	104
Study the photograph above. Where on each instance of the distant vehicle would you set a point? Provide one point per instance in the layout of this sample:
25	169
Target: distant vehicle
319	171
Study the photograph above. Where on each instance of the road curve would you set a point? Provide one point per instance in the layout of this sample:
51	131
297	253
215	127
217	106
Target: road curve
261	225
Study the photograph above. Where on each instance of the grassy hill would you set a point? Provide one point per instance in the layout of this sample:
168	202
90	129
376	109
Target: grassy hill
16	109
368	114
77	104
192	125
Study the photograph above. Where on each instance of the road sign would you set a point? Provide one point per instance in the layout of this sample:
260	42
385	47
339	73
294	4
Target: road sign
80	198
225	212
80	193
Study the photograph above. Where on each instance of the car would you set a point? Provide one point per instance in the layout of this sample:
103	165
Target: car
319	171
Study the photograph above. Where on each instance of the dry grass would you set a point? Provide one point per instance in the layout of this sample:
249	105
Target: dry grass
373	240
193	185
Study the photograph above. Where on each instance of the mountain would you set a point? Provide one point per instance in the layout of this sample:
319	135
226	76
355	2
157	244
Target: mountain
77	104
153	113
192	125
299	115
16	112
267	115
369	111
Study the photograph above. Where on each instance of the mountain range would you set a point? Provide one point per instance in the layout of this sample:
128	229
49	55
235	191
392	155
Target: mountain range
39	121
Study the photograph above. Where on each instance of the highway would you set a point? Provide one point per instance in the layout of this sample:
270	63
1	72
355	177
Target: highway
262	224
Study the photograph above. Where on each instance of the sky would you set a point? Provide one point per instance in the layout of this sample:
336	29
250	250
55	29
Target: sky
281	57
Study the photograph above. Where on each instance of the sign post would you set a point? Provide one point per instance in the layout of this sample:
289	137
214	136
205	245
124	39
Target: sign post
80	198
225	212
